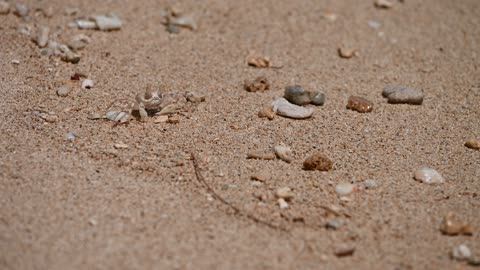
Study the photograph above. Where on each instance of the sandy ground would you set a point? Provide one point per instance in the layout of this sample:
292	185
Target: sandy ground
84	205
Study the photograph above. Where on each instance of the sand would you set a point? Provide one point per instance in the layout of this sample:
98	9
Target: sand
83	204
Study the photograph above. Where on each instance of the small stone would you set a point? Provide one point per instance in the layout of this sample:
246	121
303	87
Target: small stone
317	98
266	112
473	144
21	10
255	60
259	84
401	94
428	176
173	119
461	253
42	36
343	250
67	55
260	155
15	62
317	162
359	104
282	203
284	153
374	24
347	52
262	176
87	84
172	28
64	90
451	226
49	118
370	183
120	146
92	222
86	24
334	224
71	136
161	119
4	7
285	193
297	95
286	109
107	22
79	42
385	4
344	189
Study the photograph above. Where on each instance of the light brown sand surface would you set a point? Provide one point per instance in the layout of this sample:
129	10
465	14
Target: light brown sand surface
83	204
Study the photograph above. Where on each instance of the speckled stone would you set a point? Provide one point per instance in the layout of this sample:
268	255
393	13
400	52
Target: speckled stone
402	94
317	162
359	104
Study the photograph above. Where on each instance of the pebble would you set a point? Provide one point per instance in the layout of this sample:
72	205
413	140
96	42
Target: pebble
107	22
473	144
451	226
255	60
71	136
161	119
87	84
401	94
317	99
317	162
461	253
374	24
86	24
64	90
370	183
266	112
260	155
4	7
172	28
343	250
286	109
79	42
68	55
120	146
284	153
195	97
297	95
428	176
344	189
285	193
282	203
15	62
347	53
334	224
259	84
359	104
21	10
386	4
262	176
42	36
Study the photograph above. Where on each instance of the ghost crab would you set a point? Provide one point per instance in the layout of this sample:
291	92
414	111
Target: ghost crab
152	101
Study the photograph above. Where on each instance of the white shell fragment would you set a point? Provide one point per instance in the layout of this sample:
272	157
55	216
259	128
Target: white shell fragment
428	176
107	22
285	193
344	189
282	203
86	24
42	36
79	42
284	153
461	253
284	108
184	21
87	84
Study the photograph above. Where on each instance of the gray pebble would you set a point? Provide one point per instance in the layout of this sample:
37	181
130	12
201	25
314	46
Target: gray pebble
317	98
401	94
297	95
334	224
71	136
64	90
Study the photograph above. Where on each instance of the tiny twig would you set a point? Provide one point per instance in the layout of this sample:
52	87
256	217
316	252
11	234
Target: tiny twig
237	210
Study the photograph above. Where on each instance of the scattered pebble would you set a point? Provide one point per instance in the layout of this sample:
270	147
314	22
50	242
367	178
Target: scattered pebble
317	162
4	7
267	112
334	224
79	42
262	176
284	153
15	62
374	24
451	226
87	84
21	10
49	118
370	183
64	90
343	250
71	136
428	176
259	84
347	52
298	96
255	60
107	22
317	98
282	203
385	4
461	253
86	24
161	119
42	36
68	55
359	104
284	108
402	94
473	144
285	193
120	146
344	189
260	155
